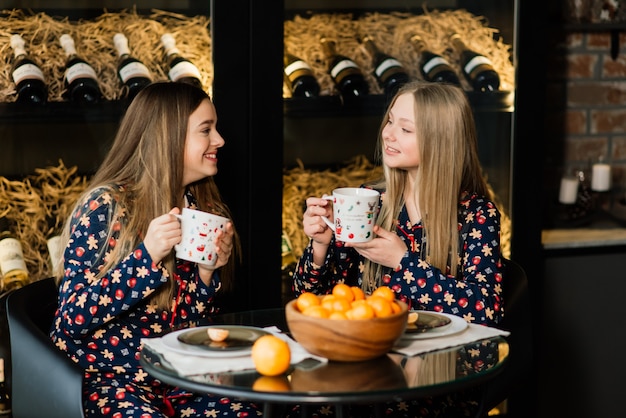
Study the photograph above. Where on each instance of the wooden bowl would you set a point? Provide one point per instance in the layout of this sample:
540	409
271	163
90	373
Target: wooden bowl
346	339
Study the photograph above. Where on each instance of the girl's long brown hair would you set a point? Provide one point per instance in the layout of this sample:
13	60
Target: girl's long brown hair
449	165
147	159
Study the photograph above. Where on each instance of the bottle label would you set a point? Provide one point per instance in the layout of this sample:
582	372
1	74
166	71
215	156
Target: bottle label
341	66
26	72
385	65
297	65
133	69
287	251
432	63
80	70
475	62
184	69
11	256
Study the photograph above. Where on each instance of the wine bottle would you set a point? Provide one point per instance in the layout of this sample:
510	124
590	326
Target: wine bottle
346	74
477	69
180	68
53	243
388	71
81	80
5	397
12	264
27	75
433	67
132	72
287	251
299	77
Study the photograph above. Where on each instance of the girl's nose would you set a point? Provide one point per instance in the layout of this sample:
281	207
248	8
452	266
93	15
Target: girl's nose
218	140
387	134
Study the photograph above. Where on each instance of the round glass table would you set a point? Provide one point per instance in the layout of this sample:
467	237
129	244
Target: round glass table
392	377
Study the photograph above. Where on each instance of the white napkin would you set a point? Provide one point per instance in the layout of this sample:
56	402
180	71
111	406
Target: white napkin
189	364
472	333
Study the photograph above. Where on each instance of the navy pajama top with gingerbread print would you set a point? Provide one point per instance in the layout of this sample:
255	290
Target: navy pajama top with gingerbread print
100	322
474	295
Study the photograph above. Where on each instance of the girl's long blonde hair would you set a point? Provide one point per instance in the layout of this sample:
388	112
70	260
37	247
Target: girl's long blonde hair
147	158
446	138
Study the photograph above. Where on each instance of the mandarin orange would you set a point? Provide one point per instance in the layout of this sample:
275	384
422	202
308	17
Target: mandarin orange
385	292
358	293
382	307
271	355
344	291
306	300
360	311
317	311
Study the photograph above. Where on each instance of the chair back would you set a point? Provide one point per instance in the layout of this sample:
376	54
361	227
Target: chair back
515	377
44	381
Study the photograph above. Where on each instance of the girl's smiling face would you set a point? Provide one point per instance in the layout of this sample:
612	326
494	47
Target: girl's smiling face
399	137
201	144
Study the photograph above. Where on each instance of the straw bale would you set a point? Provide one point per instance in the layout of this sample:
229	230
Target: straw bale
391	32
94	42
37	205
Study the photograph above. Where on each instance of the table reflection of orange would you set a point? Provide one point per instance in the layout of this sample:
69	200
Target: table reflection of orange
272	384
335	376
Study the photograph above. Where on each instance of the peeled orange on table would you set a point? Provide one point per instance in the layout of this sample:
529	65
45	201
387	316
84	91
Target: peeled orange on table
217	334
271	355
412	318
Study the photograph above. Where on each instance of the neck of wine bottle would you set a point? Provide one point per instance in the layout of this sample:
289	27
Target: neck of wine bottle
19	47
345	72
132	72
53	242
180	69
433	67
388	71
28	78
477	69
81	80
299	77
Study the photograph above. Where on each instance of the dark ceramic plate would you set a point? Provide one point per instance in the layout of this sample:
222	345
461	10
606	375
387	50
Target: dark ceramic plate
427	321
239	337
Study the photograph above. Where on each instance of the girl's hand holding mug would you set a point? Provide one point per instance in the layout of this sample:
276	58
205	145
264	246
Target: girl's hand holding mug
313	223
224	247
207	239
163	234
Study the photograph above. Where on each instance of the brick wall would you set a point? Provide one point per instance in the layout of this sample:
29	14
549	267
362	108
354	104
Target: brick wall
585	107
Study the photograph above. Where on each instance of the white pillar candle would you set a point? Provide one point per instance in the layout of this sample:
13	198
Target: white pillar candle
569	190
601	177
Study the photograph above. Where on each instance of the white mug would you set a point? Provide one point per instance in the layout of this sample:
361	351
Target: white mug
199	230
354	210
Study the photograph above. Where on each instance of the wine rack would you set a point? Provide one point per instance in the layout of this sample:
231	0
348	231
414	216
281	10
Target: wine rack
39	136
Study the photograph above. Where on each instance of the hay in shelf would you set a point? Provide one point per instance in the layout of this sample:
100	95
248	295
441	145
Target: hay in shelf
94	42
37	205
391	33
